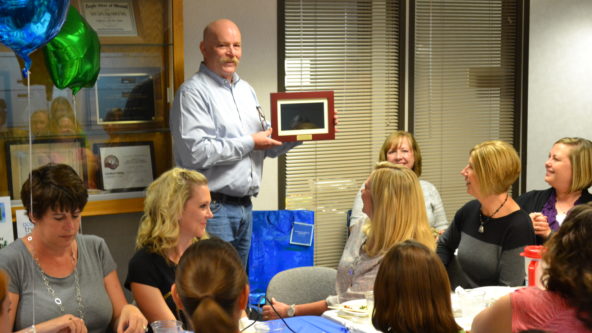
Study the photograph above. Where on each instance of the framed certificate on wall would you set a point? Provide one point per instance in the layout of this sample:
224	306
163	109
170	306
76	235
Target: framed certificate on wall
125	166
302	116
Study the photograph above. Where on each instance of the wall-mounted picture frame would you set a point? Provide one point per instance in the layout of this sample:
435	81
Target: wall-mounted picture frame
125	166
125	98
70	151
303	116
115	21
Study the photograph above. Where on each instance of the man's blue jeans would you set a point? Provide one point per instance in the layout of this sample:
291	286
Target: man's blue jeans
234	224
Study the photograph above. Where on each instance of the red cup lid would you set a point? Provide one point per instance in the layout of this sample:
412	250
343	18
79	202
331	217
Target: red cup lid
533	251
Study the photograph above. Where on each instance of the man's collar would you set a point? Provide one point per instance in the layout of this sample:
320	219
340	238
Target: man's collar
222	81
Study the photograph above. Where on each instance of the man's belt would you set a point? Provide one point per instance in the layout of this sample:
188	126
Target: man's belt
227	199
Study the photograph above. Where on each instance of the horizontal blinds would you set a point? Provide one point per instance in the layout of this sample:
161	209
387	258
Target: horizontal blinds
464	85
350	47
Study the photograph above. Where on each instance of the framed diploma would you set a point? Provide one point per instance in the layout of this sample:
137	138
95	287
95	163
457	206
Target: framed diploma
114	20
70	151
301	116
125	166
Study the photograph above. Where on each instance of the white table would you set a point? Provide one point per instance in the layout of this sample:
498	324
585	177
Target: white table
364	324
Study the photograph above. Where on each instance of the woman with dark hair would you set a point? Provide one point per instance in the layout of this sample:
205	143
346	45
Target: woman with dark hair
566	304
67	280
491	231
569	172
211	287
412	292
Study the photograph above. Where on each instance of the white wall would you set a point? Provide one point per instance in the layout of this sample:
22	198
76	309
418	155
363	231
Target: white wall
257	20
559	80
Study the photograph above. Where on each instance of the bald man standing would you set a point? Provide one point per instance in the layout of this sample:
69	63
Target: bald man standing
218	129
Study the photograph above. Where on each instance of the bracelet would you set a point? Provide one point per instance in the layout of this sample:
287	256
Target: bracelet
32	329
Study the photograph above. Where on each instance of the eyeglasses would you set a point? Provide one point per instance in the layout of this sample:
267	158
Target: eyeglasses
262	118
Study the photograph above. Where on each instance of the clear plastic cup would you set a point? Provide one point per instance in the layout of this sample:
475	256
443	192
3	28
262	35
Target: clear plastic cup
369	295
167	326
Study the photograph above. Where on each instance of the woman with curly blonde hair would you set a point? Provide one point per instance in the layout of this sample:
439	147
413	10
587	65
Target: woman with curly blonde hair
566	304
393	202
176	211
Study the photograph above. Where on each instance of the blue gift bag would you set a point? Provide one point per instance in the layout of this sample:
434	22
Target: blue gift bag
271	251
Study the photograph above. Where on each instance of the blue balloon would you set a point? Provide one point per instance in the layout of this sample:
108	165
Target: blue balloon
26	25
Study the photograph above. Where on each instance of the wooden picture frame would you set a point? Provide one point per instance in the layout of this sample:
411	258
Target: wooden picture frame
302	116
70	151
125	166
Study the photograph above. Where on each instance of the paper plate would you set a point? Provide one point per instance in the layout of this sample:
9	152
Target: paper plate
355	308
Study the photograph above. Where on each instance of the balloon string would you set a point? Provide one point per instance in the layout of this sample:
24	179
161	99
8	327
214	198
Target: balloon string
75	109
30	172
76	120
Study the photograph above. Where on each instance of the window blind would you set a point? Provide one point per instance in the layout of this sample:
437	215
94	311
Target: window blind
352	48
464	73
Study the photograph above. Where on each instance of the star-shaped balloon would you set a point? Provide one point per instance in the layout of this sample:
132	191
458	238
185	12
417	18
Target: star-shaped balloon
73	56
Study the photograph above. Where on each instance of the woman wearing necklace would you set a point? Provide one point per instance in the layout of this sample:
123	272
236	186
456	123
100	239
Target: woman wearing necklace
489	232
60	280
569	172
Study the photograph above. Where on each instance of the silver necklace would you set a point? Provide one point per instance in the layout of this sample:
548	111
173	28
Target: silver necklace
483	217
51	291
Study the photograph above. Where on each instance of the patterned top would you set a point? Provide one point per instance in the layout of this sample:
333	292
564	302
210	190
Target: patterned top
356	271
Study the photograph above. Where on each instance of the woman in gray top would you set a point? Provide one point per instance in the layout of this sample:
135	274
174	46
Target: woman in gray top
60	280
394	205
401	148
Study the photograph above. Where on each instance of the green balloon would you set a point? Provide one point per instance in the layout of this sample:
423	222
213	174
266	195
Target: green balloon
73	57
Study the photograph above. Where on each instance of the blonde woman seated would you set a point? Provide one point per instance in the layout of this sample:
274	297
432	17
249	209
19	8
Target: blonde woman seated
176	211
569	172
401	148
491	231
394	204
412	280
566	304
211	287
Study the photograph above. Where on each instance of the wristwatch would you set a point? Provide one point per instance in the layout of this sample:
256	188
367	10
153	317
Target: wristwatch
291	310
